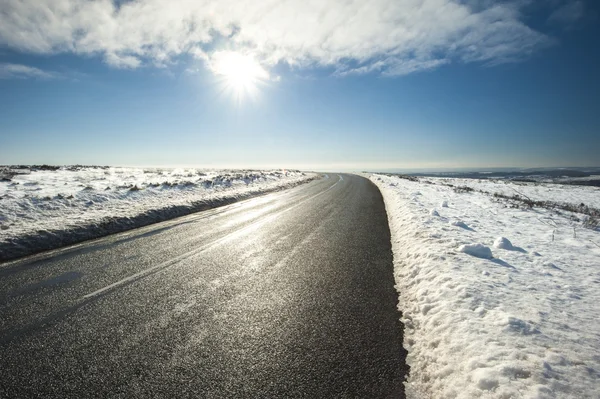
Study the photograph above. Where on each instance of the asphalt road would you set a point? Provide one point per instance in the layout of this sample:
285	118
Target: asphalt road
285	295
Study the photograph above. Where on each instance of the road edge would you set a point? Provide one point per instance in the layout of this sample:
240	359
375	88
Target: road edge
48	240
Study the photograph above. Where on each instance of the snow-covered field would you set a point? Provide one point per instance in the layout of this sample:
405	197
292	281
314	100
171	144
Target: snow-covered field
571	194
42	209
499	300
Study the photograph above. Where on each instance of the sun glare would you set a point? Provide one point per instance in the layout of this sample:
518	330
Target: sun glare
241	74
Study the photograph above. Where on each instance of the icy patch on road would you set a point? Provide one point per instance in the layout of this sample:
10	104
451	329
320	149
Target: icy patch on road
45	208
497	300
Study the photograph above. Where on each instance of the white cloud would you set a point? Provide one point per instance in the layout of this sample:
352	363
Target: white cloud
568	14
18	71
393	37
122	61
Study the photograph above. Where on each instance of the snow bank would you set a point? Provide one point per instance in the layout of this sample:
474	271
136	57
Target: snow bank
522	321
44	209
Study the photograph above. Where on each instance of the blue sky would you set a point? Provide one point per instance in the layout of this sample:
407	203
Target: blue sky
327	85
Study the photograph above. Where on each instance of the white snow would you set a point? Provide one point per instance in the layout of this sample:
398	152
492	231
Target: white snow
50	204
572	194
522	321
503	243
459	223
478	250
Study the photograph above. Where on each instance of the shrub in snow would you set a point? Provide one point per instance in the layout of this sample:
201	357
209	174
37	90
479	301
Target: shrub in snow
433	212
503	243
463	189
592	222
444	204
478	250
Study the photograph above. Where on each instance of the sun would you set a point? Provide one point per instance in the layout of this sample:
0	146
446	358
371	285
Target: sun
240	73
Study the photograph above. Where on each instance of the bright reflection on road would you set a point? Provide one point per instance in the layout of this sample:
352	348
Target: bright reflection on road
249	215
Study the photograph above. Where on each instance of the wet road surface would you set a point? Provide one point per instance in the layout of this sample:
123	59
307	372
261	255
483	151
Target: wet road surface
288	295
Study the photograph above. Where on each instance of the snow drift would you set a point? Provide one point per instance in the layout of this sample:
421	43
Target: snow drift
521	321
45	208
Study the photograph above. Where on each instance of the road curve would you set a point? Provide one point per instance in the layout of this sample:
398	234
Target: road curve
285	295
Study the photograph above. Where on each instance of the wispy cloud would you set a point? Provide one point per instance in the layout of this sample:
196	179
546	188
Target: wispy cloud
409	35
568	14
18	71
